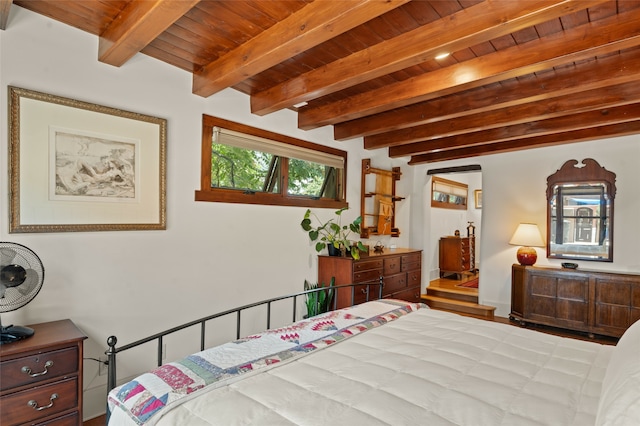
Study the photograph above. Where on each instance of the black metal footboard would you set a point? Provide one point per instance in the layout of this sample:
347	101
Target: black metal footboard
112	340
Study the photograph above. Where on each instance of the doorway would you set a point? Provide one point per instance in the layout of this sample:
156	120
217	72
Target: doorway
455	233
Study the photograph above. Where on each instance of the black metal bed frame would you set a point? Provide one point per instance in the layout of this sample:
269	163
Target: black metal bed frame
112	340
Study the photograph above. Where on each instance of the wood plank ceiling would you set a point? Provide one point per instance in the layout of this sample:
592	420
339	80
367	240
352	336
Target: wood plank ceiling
518	75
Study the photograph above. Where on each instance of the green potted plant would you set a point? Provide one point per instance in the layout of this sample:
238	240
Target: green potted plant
318	302
332	234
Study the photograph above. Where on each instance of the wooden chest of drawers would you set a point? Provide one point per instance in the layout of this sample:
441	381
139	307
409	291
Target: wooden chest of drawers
41	377
595	302
456	255
400	269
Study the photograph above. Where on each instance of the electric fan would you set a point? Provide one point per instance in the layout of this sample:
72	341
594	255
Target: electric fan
21	278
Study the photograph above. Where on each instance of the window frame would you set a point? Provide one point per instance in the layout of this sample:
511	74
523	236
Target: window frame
225	195
437	181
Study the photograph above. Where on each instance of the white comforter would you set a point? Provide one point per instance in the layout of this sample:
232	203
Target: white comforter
426	368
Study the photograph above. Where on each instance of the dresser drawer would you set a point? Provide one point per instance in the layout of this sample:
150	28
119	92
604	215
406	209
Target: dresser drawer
39	367
57	397
360	293
411	258
409	294
391	265
414	278
410	266
366	276
394	283
367	265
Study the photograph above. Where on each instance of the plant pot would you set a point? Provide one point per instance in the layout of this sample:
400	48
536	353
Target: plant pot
333	251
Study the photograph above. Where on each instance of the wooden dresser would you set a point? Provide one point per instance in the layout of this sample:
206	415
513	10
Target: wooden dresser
457	255
595	302
400	269
41	377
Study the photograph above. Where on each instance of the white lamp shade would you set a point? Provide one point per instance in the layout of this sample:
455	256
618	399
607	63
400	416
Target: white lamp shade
527	234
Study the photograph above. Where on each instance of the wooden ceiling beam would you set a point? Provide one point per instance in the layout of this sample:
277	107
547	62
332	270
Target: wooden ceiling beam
5	8
580	43
610	71
139	23
310	26
486	138
583	135
468	27
589	100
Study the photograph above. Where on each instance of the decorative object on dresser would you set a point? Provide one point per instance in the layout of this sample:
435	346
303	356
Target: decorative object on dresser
594	302
378	200
399	271
41	377
457	255
21	278
333	235
580	199
527	236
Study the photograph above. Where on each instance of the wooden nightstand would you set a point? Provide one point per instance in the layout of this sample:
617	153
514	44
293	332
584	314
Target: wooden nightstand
41	376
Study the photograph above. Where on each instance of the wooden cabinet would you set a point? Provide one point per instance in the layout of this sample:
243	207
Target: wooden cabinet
400	269
41	377
457	255
595	302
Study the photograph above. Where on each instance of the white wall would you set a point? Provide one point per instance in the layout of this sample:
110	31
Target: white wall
214	256
514	191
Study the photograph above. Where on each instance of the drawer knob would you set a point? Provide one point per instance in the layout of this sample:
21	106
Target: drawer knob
33	404
27	370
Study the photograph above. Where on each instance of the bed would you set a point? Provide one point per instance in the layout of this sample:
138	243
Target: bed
390	362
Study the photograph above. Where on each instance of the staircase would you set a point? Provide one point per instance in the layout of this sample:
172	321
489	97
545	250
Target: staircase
445	295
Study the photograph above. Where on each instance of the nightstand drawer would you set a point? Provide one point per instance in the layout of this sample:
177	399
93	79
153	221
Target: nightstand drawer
72	419
39	367
39	402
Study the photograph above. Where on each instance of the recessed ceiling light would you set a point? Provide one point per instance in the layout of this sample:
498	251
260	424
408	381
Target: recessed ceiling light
301	104
442	55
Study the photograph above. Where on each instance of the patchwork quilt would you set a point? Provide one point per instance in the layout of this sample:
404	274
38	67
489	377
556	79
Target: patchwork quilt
145	397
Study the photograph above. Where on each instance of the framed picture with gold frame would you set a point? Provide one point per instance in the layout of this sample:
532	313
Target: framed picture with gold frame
477	196
77	166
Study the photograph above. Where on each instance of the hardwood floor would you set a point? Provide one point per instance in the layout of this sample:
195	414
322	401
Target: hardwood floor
97	421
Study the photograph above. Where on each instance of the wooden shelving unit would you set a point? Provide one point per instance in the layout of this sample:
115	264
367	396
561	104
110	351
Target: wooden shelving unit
378	201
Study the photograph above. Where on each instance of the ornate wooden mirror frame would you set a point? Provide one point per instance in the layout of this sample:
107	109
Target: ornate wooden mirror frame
580	212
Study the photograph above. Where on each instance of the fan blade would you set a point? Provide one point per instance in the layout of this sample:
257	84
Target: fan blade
3	289
29	283
7	255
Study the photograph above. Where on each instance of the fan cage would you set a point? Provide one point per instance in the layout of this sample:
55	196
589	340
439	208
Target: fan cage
18	296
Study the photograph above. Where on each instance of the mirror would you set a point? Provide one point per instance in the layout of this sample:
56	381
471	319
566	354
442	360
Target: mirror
580	212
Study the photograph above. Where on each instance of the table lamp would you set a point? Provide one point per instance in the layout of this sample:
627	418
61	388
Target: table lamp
527	236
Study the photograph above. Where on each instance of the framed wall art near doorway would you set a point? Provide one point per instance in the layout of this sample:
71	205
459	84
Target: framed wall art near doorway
477	195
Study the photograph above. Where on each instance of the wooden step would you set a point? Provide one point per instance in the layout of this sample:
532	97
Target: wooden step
463	295
458	306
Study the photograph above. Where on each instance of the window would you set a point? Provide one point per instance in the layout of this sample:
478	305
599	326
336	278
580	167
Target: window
243	164
448	194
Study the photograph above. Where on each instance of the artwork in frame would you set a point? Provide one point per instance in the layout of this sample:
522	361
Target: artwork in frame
77	166
477	194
